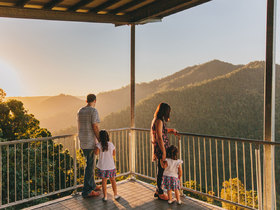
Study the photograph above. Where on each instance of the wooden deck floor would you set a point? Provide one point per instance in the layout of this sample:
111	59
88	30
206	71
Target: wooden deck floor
134	195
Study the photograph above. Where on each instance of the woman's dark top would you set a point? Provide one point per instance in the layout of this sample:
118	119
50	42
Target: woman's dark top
157	153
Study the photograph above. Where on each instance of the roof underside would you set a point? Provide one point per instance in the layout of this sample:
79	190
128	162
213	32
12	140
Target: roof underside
118	12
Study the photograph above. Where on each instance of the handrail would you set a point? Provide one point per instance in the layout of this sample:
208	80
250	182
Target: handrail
222	138
4	143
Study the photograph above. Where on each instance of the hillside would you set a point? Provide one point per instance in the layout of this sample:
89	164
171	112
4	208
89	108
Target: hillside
229	105
31	103
187	76
59	112
54	113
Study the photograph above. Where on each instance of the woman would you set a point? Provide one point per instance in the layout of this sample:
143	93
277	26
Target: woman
160	142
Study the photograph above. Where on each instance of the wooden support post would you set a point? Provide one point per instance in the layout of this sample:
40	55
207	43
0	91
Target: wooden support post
269	197
132	101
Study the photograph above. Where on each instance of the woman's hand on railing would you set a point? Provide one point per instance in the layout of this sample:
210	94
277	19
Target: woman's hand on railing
175	132
172	131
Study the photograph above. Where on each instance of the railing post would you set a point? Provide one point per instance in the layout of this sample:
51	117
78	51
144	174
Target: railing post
75	164
180	157
132	153
269	197
259	177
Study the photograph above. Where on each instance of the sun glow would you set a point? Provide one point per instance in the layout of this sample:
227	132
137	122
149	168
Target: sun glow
10	80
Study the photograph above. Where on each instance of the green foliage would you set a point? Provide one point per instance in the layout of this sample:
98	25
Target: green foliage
16	123
194	186
197	187
233	189
40	168
35	168
2	95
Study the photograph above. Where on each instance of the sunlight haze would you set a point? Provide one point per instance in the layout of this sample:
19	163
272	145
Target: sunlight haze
53	57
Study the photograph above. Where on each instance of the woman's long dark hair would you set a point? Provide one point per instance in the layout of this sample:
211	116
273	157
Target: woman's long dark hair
162	112
172	152
104	139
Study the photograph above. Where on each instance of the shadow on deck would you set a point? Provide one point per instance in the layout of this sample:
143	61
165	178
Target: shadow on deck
134	195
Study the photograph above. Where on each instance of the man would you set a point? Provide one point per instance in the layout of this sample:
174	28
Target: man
88	120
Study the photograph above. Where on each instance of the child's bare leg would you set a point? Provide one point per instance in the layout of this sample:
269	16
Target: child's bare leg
114	185
104	187
177	194
169	193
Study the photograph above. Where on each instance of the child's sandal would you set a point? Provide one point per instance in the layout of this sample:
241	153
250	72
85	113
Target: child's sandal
170	201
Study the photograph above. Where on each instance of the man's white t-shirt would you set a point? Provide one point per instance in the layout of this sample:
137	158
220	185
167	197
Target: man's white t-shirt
106	160
172	167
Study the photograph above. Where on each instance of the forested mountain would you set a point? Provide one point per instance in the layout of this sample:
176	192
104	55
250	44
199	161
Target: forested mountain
59	112
228	105
55	112
116	100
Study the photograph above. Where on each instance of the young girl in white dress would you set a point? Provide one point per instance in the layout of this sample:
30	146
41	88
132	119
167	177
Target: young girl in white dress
172	173
106	168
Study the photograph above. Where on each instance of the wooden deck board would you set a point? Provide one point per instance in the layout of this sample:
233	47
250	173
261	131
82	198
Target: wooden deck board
134	195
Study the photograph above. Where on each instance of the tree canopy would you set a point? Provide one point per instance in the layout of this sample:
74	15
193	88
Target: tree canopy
16	123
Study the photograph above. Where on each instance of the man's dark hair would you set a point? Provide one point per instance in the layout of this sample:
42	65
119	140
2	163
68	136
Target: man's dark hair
91	98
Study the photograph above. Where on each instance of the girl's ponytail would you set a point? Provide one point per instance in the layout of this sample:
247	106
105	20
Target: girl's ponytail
104	138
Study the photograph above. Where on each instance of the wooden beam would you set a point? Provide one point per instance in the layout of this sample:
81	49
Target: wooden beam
126	6
63	16
51	4
160	8
21	3
188	6
79	5
104	5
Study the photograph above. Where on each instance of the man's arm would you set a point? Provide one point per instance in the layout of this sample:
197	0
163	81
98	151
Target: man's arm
96	130
96	151
78	121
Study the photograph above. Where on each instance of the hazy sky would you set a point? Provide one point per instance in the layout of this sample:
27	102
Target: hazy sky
52	57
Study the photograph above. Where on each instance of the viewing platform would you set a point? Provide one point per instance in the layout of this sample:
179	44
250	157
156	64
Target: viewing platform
134	195
217	172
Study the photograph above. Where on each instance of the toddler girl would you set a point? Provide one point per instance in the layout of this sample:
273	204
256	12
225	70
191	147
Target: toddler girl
172	173
106	165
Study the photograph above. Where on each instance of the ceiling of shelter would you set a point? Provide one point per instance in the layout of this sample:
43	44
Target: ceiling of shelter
118	12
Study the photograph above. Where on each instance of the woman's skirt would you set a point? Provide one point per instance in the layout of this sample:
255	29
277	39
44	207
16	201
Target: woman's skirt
106	173
171	183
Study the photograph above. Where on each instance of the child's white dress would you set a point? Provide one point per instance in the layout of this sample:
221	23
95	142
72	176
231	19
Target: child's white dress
170	179
106	166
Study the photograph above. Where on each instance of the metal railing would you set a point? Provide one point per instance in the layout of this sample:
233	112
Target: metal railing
219	170
33	169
